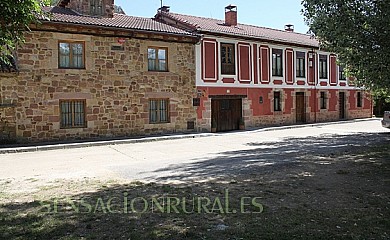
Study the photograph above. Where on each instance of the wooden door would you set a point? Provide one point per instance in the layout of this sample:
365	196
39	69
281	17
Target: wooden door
300	107
342	105
226	114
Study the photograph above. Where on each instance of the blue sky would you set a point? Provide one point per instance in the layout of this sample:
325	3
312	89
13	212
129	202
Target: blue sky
273	14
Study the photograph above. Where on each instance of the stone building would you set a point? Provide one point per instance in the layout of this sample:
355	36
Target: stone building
255	76
91	73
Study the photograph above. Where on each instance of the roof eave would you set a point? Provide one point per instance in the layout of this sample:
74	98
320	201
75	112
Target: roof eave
203	31
195	38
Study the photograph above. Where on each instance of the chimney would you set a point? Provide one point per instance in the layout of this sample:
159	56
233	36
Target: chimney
231	15
164	9
289	28
103	8
109	8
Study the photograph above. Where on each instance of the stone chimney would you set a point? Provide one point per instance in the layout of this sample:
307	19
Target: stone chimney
98	8
164	9
289	28
231	15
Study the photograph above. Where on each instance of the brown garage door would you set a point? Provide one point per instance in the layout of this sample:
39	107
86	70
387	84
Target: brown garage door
226	114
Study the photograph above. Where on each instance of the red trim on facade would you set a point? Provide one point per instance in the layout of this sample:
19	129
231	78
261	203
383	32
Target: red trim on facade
210	60
228	80
300	82
278	82
265	63
289	100
323	83
333	96
244	62
289	66
333	70
311	70
343	84
255	64
352	100
245	82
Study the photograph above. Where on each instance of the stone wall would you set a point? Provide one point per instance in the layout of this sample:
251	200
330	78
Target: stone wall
83	7
258	113
116	85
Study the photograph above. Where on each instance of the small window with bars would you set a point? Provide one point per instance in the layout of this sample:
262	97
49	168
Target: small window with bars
323	100
277	102
71	55
72	113
159	110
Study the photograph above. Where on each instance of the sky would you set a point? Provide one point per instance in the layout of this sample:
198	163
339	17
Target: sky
273	14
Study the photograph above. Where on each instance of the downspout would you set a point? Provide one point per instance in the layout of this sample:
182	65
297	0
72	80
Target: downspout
315	85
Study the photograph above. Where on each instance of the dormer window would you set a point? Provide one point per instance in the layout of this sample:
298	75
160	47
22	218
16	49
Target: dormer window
96	7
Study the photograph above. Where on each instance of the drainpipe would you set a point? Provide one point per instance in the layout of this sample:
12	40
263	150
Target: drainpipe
315	84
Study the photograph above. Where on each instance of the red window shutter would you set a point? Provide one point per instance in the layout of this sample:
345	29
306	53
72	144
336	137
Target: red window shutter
333	70
210	61
289	66
244	63
264	64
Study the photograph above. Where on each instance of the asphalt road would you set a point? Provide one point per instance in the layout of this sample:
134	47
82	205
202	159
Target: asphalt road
192	158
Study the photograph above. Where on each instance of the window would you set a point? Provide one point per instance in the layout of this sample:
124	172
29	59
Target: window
96	7
71	55
359	99
277	102
342	73
300	64
277	62
228	65
159	111
157	59
72	113
323	67
323	100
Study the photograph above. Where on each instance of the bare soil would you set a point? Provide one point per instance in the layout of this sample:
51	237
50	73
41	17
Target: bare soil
329	193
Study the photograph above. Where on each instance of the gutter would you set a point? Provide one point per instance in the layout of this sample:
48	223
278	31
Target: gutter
193	36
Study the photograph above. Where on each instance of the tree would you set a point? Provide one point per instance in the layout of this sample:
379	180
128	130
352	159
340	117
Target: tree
16	16
358	31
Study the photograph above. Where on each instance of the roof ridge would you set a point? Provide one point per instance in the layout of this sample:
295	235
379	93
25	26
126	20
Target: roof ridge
244	24
196	16
119	20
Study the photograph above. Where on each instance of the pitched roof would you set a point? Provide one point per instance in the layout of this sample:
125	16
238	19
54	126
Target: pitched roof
211	25
66	15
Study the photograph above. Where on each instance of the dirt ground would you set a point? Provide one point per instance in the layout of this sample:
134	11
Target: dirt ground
341	190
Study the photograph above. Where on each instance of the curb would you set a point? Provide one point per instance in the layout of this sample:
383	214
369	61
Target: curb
162	138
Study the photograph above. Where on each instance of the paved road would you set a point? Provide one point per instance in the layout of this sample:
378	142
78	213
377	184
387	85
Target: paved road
197	158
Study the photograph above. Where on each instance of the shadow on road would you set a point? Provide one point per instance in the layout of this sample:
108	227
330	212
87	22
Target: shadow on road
271	156
328	187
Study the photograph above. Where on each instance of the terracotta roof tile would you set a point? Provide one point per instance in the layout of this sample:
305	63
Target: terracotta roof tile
217	26
66	15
